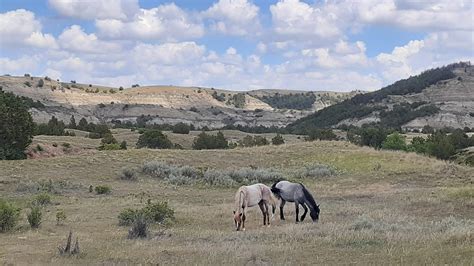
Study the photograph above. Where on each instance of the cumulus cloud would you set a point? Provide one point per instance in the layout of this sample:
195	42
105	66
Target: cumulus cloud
168	53
165	22
18	66
21	27
104	9
76	40
233	17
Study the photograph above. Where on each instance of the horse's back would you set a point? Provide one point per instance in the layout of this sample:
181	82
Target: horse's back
256	192
289	191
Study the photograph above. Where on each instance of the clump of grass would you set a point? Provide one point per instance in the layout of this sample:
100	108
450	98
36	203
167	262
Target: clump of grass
312	171
218	178
49	186
34	217
103	189
128	174
9	215
139	219
42	199
60	217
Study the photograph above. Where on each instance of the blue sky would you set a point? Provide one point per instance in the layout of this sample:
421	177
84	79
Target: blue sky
338	45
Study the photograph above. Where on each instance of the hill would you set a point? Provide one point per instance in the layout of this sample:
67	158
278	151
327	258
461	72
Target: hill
210	107
440	97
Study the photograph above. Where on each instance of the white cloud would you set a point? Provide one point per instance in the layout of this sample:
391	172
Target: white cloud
103	9
168	53
21	27
76	40
165	22
24	64
297	19
234	17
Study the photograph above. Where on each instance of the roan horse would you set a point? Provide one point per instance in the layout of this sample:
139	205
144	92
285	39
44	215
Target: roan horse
249	196
297	193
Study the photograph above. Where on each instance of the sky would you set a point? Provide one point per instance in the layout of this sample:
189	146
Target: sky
338	45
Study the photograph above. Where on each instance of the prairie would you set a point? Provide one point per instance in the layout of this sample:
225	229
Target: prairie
380	207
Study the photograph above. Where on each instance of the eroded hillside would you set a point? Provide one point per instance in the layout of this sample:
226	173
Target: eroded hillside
161	104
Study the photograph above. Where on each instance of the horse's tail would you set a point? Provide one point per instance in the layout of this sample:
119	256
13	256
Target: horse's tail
241	201
310	200
276	190
273	202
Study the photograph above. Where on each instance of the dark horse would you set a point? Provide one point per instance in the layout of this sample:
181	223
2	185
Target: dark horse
297	193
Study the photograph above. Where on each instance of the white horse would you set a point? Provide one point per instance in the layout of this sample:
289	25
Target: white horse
297	193
249	196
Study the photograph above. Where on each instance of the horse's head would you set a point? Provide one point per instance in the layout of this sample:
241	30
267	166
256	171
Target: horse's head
237	220
315	214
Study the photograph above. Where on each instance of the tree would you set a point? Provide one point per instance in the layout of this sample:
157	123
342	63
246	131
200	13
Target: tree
205	141
40	83
123	145
82	124
278	139
154	139
16	127
394	141
72	123
321	134
181	128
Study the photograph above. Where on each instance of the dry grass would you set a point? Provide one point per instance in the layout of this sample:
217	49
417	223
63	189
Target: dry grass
382	208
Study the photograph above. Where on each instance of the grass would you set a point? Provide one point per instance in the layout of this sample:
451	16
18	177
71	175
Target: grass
381	207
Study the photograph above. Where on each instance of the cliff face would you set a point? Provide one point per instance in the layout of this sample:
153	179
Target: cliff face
163	104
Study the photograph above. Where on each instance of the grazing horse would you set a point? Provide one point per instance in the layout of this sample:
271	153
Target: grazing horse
297	193
249	196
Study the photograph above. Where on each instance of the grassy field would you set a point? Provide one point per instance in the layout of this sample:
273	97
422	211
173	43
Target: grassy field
380	208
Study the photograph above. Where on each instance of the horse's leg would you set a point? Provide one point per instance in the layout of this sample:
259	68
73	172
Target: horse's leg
244	216
282	204
262	208
297	210
305	211
268	213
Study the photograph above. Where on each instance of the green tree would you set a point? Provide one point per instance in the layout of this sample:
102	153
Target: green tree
154	139
205	141
16	127
278	140
418	144
394	141
72	123
82	124
181	128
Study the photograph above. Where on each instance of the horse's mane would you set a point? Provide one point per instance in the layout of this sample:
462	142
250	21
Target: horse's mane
275	190
309	197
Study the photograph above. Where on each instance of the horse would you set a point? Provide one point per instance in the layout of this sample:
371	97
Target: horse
297	193
249	196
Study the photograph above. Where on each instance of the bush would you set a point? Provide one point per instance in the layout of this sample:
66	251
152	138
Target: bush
139	228
40	83
278	140
123	145
102	190
128	174
321	134
154	139
313	171
178	175
34	217
60	217
394	141
181	128
9	216
153	213
193	109
42	199
205	141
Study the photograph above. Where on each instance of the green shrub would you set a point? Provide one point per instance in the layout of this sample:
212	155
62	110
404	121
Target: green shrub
110	147
128	174
9	216
123	145
102	189
278	140
139	228
205	141
181	128
66	145
321	134
60	217
153	213
42	199
39	148
154	139
34	217
394	141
